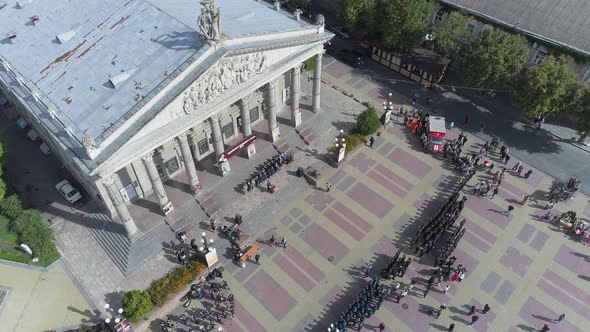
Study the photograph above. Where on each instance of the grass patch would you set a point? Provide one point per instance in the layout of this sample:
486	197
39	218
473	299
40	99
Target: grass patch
10	248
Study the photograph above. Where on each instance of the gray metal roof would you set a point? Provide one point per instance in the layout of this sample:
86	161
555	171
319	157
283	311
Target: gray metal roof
565	22
134	45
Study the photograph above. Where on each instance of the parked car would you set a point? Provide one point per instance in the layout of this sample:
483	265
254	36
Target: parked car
70	193
340	31
352	57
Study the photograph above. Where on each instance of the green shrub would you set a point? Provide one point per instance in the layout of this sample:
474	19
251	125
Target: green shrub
367	122
31	230
136	304
353	141
11	207
174	281
310	64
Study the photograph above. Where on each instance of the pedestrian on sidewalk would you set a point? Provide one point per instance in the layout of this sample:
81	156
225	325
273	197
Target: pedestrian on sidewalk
284	241
528	173
495	192
452	327
560	318
213	224
525	199
519	170
473	320
447	287
381	327
471	311
371	141
272	241
486	308
516	166
509	210
506	159
328	187
257	258
545	328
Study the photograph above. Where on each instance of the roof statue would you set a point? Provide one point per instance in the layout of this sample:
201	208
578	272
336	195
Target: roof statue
320	20
209	20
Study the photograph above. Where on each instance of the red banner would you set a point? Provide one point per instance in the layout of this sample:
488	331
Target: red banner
238	148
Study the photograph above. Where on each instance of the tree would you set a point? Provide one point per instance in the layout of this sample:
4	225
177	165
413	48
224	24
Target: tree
361	16
367	122
405	22
550	87
492	59
300	4
450	35
136	304
583	122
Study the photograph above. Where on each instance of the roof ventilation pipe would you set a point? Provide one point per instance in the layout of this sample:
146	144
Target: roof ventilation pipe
118	80
64	37
22	3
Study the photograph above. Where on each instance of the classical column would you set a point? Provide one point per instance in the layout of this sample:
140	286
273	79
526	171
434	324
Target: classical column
115	196
150	166
245	115
295	95
216	135
317	82
271	103
189	163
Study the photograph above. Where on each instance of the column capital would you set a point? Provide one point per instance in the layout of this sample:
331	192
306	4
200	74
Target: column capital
183	137
215	117
271	84
148	157
109	181
297	67
243	103
319	54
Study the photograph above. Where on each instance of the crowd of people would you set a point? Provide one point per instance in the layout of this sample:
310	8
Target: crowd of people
396	267
266	171
364	306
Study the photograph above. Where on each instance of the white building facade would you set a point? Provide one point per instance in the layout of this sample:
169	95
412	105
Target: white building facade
128	94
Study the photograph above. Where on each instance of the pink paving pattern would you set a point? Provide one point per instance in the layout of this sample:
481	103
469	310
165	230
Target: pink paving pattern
375	93
394	177
319	200
567	286
293	272
476	242
413	165
385	183
466	260
246	318
422	201
489	211
517	262
480	231
270	295
305	264
370	200
484	319
385	247
362	162
412	318
344	225
513	189
353	217
573	260
324	243
397	131
557	294
537	314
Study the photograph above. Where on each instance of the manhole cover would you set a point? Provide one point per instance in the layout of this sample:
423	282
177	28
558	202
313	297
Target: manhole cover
331	259
405	306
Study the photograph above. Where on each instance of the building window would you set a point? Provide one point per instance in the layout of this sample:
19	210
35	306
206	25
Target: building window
471	27
228	130
540	57
438	16
203	146
172	166
254	114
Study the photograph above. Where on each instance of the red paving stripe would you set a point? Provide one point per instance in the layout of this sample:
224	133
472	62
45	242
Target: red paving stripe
304	263
394	177
410	163
385	183
567	258
534	313
249	321
513	189
370	200
476	242
490	211
331	295
294	273
480	231
353	217
563	298
270	295
567	286
343	224
411	317
324	243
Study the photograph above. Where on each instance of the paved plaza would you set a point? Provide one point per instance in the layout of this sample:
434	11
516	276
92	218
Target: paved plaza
527	270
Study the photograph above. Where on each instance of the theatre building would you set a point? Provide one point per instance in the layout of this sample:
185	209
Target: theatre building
131	93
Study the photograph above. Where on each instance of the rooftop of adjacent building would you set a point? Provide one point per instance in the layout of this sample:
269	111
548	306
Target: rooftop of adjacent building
93	61
565	22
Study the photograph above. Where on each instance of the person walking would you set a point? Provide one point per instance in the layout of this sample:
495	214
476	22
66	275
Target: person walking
473	320
284	241
328	187
560	318
506	159
213	223
257	259
486	308
525	199
528	173
519	170
272	241
471	310
447	287
516	166
495	192
509	210
381	327
452	327
545	328
371	141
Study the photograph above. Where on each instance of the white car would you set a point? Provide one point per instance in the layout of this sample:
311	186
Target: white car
68	192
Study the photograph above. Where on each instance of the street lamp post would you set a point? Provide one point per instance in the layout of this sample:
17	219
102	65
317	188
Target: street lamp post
208	244
340	146
115	315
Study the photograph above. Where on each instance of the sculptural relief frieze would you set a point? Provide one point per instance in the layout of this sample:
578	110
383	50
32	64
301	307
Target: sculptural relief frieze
224	75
